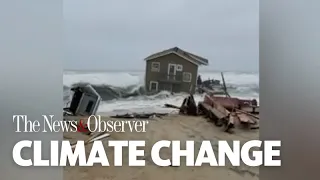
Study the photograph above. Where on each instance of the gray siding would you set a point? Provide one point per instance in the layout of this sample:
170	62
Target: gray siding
164	62
84	103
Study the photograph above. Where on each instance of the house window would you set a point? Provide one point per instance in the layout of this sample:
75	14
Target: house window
179	67
155	66
186	77
89	106
153	86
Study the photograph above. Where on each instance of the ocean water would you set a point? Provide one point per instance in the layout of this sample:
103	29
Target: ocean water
124	92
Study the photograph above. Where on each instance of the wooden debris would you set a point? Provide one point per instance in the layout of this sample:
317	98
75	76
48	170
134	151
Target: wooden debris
212	113
254	127
250	109
230	123
140	116
220	115
224	86
249	114
171	106
230	103
228	111
189	106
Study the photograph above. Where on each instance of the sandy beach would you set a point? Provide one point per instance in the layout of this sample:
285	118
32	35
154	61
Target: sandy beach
173	127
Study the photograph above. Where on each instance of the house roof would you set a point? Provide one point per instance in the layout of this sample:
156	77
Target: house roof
184	54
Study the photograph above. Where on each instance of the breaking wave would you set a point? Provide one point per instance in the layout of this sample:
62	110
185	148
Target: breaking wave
125	90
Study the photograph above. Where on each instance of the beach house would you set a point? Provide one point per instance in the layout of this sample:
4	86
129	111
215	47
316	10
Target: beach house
173	70
84	100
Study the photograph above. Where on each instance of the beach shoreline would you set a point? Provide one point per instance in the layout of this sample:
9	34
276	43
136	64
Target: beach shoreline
171	127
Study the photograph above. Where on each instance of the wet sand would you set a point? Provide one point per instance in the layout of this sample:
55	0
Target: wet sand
173	127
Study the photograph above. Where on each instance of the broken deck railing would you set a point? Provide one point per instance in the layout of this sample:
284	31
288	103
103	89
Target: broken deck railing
223	111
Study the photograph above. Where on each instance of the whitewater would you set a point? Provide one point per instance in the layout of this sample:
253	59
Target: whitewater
123	92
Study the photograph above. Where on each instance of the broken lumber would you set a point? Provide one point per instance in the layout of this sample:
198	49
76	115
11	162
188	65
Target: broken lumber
244	118
171	106
211	102
230	124
217	113
249	114
220	114
250	109
225	86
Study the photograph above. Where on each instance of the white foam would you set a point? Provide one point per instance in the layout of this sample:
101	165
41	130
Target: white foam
119	79
122	79
144	105
242	81
233	78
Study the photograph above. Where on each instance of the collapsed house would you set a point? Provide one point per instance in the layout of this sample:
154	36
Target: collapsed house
84	102
227	111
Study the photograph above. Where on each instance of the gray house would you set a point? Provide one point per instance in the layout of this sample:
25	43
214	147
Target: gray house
85	100
173	70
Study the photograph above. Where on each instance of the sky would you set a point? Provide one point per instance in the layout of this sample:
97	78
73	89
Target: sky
119	34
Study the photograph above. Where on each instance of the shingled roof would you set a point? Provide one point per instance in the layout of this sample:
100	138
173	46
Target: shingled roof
184	54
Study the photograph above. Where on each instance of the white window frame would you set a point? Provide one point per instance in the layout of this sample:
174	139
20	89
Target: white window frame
175	68
150	85
179	67
183	77
155	69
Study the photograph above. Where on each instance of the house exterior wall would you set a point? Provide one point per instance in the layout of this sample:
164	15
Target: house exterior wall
84	103
177	86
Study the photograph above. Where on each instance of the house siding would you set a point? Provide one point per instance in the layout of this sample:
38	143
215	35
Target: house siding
84	103
164	63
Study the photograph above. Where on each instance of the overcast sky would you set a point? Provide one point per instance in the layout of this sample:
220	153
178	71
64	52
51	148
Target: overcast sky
119	34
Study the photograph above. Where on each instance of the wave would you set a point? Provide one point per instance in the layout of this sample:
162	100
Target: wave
122	88
108	92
